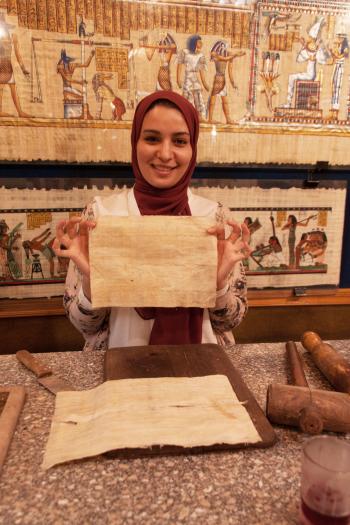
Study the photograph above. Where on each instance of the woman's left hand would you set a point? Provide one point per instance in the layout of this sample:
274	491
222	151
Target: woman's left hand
231	250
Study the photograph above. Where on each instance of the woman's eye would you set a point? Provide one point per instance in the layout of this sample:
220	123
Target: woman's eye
180	142
151	139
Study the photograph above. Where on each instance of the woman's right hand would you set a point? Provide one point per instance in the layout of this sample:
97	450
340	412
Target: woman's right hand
72	241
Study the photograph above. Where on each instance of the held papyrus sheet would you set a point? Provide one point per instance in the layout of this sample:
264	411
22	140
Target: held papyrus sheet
139	413
153	261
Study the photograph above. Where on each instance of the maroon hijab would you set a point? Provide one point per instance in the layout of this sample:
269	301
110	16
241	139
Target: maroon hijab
171	325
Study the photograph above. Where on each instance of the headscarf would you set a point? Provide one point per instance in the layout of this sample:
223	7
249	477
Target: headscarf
171	325
170	201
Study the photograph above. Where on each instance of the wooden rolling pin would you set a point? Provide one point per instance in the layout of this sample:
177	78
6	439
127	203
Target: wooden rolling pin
310	418
329	361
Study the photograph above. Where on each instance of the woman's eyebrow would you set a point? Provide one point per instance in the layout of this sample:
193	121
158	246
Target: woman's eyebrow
157	132
151	131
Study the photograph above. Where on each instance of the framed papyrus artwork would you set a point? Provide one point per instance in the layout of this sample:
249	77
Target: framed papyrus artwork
269	79
296	233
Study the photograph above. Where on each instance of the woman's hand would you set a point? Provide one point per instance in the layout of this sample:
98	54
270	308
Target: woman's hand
72	240
231	250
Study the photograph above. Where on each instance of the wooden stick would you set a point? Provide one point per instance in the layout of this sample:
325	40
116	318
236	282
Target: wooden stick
9	416
309	417
296	366
329	361
286	402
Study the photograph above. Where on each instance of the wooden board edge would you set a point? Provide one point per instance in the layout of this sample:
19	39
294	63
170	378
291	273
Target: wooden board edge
175	450
256	413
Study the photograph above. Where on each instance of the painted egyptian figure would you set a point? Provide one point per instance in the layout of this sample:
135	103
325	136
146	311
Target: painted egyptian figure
166	49
312	52
222	56
339	51
7	78
193	61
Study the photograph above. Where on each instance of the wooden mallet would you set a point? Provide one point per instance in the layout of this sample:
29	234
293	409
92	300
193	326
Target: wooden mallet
311	410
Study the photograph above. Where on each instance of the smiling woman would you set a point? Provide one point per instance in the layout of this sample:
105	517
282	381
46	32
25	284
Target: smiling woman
164	149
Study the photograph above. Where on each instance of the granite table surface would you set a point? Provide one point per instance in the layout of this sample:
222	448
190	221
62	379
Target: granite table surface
245	486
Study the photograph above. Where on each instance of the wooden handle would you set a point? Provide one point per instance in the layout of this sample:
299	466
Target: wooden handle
310	420
310	340
296	365
329	361
33	363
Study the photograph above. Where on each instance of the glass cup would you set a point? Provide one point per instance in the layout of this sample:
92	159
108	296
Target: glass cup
325	482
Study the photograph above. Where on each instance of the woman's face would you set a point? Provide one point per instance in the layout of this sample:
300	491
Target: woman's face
163	150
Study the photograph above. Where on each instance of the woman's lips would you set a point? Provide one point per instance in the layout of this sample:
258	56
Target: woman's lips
163	169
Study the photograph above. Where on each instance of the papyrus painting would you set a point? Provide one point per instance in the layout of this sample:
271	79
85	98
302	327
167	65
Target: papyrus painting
28	265
296	235
269	79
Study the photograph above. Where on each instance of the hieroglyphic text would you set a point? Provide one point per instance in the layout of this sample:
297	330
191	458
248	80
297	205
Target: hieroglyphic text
113	59
322	219
36	219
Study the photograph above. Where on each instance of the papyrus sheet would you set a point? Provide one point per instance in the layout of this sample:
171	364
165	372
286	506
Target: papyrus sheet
139	413
155	261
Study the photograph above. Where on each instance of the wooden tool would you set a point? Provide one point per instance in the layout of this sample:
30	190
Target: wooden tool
328	360
184	361
43	373
11	403
310	409
310	419
286	402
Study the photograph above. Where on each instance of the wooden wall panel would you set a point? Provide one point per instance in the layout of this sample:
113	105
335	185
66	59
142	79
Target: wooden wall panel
276	324
39	334
25	328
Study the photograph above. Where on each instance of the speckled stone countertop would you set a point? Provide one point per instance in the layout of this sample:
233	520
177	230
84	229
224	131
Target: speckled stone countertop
246	486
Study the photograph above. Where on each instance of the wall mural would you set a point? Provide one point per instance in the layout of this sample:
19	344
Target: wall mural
269	79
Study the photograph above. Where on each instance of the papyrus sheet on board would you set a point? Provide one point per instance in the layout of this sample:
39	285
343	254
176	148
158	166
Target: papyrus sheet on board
157	261
139	413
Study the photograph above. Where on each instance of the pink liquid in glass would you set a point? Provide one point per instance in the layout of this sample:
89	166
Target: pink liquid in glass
311	517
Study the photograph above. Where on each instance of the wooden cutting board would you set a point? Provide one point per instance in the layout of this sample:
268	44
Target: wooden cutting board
184	361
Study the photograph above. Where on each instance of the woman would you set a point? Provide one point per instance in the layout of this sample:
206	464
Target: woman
164	147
